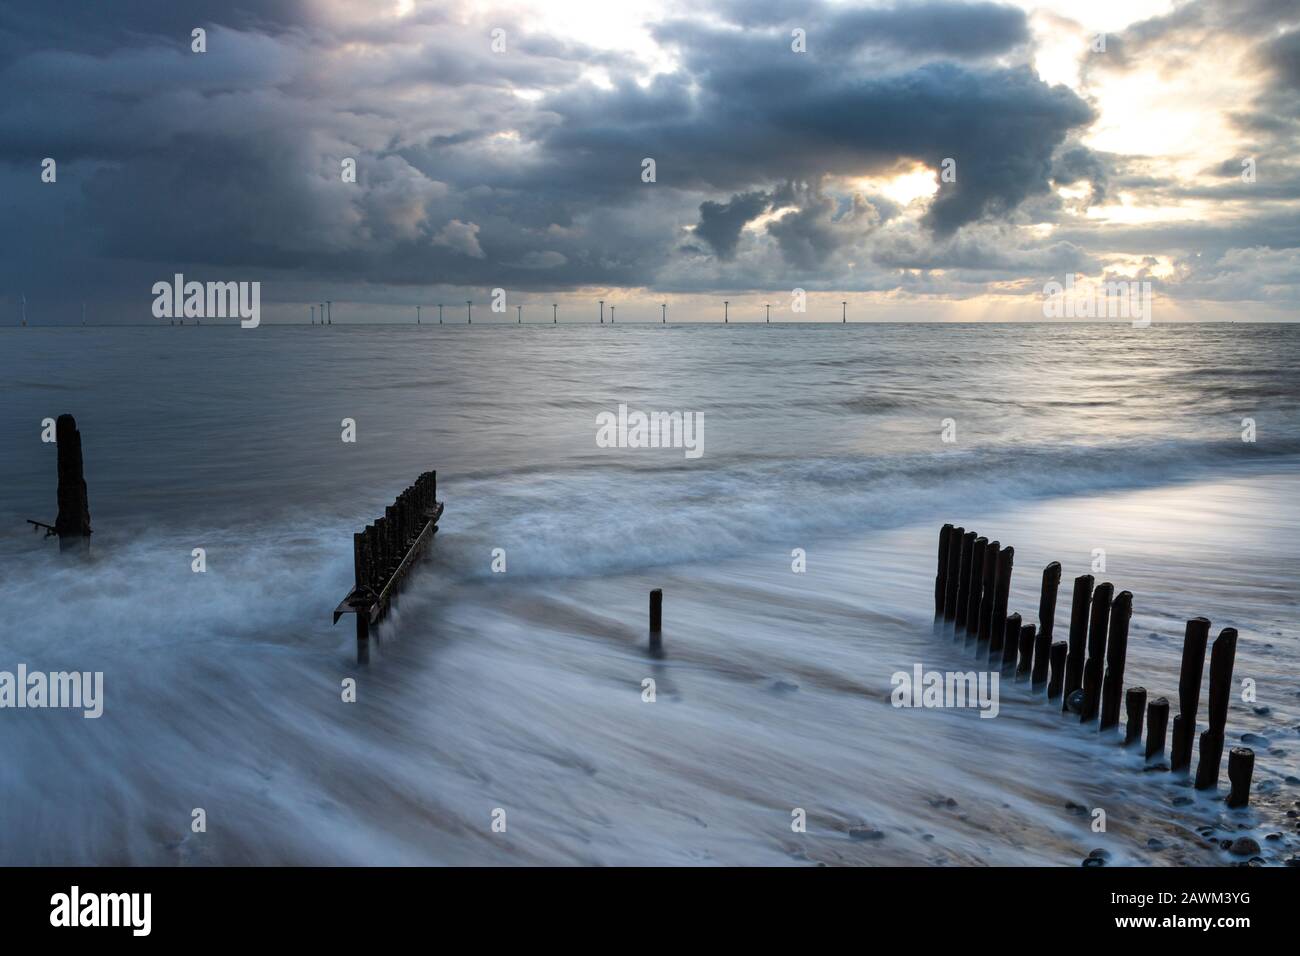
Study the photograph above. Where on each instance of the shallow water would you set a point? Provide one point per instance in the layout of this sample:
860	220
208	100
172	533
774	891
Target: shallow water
523	691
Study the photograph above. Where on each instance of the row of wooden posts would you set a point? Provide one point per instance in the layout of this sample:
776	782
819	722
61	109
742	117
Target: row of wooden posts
1086	672
382	555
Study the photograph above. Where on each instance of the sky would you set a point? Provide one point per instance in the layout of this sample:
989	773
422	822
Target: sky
504	146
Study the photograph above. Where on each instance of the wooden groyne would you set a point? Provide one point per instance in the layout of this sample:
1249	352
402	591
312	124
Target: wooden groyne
384	553
971	589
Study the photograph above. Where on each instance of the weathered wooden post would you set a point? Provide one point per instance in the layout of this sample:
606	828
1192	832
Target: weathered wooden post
1092	670
1001	591
955	538
1010	639
941	576
1078	636
377	547
1056	680
1046	621
73	522
1026	662
963	579
989	575
1121	610
1157	723
360	572
1135	703
976	586
656	611
1241	766
373	561
1221	660
1195	638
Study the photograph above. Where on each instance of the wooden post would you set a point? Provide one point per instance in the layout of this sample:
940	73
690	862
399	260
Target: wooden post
394	535
1241	766
954	568
1135	702
1025	665
1001	591
1157	722
1195	638
1056	681
373	560
656	610
1121	610
363	635
381	546
1221	660
1078	636
974	591
963	579
73	522
1010	641
941	576
1046	621
360	573
1092	670
989	574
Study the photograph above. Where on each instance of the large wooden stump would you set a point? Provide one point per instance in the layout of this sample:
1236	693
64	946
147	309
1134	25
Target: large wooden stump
73	523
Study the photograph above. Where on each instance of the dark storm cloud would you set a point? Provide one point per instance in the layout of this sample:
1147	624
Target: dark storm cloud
230	157
230	160
720	223
1282	53
1080	164
100	28
944	28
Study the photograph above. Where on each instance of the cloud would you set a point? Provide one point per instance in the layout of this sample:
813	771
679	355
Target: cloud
522	170
461	237
720	223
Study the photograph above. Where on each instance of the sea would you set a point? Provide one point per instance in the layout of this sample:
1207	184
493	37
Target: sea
514	710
